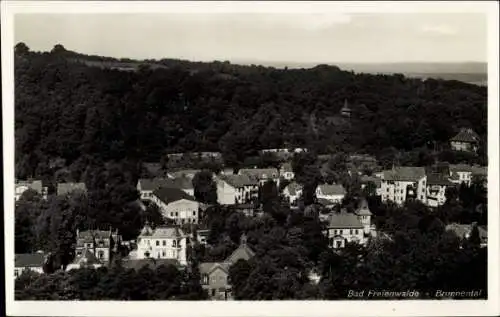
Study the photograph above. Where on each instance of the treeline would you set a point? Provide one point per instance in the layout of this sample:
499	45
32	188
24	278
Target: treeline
117	283
66	110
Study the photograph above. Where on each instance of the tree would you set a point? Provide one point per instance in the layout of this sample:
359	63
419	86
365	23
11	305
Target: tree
21	49
205	189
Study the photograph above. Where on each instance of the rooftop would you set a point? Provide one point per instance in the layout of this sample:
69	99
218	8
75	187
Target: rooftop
363	209
163	232
35	185
404	173
438	179
334	189
466	135
187	173
169	195
239	180
260	172
86	258
66	188
344	221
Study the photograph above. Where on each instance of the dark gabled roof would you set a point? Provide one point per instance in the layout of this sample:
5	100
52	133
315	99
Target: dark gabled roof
466	135
29	260
150	263
405	173
344	221
66	188
169	195
365	179
243	252
460	168
238	181
438	179
209	267
334	189
260	173
87	258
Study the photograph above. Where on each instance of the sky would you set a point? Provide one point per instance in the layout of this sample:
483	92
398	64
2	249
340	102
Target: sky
266	37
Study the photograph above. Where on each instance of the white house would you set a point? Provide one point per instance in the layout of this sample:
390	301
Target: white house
29	261
177	205
461	173
466	140
236	189
334	193
262	175
342	228
286	171
404	183
162	243
364	217
436	189
36	185
292	192
146	186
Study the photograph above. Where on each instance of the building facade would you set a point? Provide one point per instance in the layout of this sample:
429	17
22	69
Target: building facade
262	175
343	228
101	243
36	185
236	189
177	205
466	140
162	243
404	183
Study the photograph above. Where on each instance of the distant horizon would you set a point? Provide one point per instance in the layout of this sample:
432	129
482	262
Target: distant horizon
253	61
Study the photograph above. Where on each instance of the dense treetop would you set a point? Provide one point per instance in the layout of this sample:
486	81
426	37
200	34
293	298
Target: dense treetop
75	107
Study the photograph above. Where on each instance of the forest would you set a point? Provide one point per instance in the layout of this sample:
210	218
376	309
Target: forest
96	120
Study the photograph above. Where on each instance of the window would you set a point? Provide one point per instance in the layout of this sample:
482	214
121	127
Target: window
351	231
101	255
335	231
171	214
174	243
356	231
164	242
338	244
163	253
176	214
194	213
213	292
157	242
16	272
89	245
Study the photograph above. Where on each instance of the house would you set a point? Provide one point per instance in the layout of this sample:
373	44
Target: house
286	171
101	243
436	189
177	205
262	175
460	173
466	140
334	193
236	189
162	243
215	275
404	183
86	259
365	180
463	231
344	227
29	261
68	188
292	192
146	186
36	185
188	173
